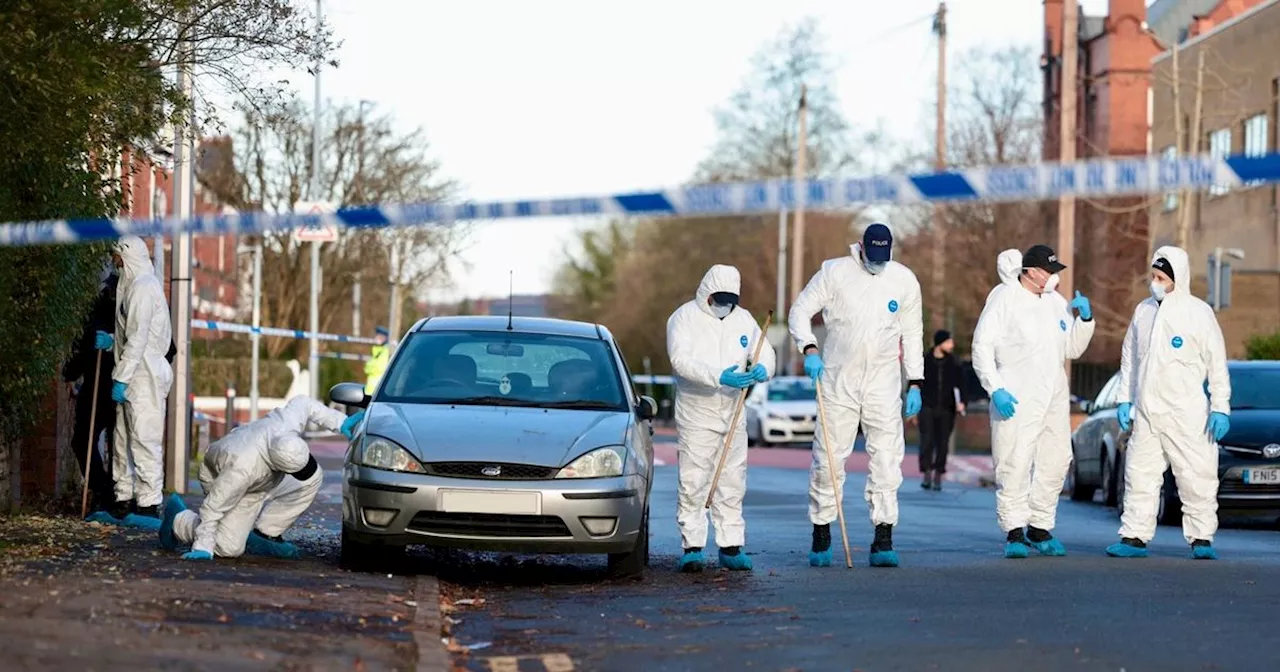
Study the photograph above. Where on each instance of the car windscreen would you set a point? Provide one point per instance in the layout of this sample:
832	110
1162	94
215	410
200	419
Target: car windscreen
1255	387
795	391
499	368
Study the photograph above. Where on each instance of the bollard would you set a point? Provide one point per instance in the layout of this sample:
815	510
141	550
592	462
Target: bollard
231	409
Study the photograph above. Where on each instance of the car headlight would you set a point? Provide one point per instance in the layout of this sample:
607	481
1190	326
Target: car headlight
381	453
776	415
599	463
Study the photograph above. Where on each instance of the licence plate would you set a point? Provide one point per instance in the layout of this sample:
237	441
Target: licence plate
1262	476
491	501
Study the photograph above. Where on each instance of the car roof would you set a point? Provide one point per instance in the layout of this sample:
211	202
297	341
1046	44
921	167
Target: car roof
526	325
1253	364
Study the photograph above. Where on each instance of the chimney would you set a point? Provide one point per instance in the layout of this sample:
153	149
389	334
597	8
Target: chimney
1119	10
1053	27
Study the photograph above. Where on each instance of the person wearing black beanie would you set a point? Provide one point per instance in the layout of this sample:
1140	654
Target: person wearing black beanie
943	399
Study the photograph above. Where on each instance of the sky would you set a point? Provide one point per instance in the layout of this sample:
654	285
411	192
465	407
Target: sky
571	97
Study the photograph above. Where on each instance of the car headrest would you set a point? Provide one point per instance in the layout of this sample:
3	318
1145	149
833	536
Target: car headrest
456	367
565	373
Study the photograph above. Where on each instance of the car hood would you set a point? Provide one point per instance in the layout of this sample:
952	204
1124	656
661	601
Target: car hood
792	407
544	437
1253	428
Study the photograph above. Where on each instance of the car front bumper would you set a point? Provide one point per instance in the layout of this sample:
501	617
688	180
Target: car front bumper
1234	493
786	430
471	520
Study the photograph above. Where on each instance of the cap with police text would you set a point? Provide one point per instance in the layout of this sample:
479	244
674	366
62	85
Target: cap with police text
1043	257
1163	265
877	243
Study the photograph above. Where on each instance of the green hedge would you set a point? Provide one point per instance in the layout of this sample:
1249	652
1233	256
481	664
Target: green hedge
209	376
1263	347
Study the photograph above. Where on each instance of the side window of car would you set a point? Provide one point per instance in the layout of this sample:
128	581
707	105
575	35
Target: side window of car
1106	398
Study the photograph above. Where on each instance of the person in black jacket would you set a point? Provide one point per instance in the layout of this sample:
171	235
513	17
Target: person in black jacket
943	399
80	367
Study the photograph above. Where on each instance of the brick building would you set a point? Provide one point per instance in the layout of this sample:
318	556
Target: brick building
1238	115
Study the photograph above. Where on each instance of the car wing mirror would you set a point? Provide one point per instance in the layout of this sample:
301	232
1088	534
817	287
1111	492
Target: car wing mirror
349	394
647	408
1086	407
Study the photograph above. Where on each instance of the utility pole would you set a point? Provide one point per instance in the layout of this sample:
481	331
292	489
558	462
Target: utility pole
780	303
313	363
355	306
256	336
937	314
393	320
179	434
1067	140
1184	200
799	182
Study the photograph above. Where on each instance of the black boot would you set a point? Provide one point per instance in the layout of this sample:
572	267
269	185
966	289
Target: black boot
148	511
937	481
820	550
882	553
927	481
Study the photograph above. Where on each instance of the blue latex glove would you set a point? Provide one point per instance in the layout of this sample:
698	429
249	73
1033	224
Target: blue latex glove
913	401
759	374
1081	303
1124	415
197	555
117	391
1219	425
103	341
732	377
1004	403
813	366
349	425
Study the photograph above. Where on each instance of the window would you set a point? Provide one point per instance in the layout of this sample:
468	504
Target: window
1255	386
1106	397
1220	148
1255	138
500	368
795	390
1170	198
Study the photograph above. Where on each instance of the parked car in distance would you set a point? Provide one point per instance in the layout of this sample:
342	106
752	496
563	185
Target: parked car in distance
782	410
1248	456
516	435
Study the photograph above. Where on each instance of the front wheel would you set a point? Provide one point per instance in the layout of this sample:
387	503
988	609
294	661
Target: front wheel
1080	492
1169	511
632	563
360	556
1112	481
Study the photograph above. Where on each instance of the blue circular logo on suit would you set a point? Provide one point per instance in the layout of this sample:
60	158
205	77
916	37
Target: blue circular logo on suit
893	306
1177	341
1062	324
744	341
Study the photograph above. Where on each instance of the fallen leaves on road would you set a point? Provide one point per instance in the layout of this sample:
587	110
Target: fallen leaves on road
713	609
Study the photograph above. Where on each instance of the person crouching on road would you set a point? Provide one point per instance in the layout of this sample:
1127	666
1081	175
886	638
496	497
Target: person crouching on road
1173	347
140	382
875	332
709	342
1024	335
257	481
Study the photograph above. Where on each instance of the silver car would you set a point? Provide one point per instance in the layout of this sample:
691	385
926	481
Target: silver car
489	433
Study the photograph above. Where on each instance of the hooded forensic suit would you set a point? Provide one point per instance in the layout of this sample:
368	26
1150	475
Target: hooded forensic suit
1021	344
260	476
700	347
1171	349
875	331
142	339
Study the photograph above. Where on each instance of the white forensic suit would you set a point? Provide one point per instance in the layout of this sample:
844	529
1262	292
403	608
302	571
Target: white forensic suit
1021	344
248	482
1171	349
142	339
700	347
875	332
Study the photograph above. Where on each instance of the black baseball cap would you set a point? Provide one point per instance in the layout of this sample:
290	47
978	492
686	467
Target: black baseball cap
1043	257
877	243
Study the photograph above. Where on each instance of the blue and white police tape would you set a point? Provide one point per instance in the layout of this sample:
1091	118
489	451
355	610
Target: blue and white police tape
1006	183
273	331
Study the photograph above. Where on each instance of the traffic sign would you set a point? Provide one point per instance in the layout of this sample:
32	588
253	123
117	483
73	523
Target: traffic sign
324	232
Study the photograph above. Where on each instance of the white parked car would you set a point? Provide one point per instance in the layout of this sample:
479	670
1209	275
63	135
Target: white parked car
782	410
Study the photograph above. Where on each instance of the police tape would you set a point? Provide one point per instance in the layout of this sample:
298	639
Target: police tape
234	328
1005	183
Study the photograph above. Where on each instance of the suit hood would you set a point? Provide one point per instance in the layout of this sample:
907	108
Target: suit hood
1009	266
719	278
136	257
1177	258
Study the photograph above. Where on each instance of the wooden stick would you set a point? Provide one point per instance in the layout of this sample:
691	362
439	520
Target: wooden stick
737	411
93	434
831	467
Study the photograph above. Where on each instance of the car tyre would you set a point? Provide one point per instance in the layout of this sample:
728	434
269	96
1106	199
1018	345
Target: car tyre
1080	492
361	556
632	563
757	439
1169	511
1112	483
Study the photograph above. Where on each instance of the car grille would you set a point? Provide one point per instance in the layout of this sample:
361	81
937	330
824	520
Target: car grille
488	525
507	472
802	418
1238	488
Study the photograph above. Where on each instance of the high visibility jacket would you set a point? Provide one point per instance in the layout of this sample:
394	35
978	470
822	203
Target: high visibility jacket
375	367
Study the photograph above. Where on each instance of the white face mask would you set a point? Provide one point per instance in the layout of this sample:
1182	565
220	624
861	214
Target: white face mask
1158	290
1052	283
720	311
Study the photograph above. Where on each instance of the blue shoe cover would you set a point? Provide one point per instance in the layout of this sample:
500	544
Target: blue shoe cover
257	544
884	559
141	522
1123	550
692	561
173	505
739	562
820	558
1204	553
102	517
1051	547
1016	550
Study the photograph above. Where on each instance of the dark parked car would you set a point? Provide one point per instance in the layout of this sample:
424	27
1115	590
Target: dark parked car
1248	457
